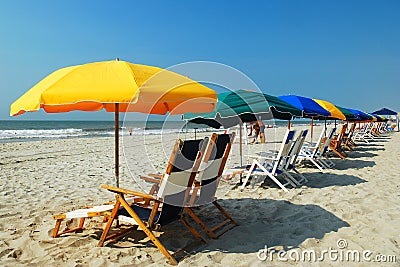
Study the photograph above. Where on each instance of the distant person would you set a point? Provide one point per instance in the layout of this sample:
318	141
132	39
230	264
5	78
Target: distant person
130	131
261	126
254	127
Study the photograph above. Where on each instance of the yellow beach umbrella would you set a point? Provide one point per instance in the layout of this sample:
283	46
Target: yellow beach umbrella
335	112
94	86
116	86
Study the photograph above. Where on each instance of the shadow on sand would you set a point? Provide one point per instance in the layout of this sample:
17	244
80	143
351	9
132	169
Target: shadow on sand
269	222
353	164
261	222
318	180
368	148
347	163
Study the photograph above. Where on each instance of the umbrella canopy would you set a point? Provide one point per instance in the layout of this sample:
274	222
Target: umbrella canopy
116	86
379	118
309	107
335	112
347	113
384	111
244	106
94	86
359	115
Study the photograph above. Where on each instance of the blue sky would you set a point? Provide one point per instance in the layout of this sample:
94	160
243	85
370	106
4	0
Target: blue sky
346	52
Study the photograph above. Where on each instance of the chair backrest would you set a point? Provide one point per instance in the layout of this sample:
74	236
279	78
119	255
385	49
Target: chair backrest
296	147
351	131
364	130
283	151
319	141
324	148
178	179
213	165
341	134
369	127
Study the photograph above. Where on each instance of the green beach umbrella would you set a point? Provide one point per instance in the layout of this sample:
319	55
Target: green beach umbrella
347	113
240	106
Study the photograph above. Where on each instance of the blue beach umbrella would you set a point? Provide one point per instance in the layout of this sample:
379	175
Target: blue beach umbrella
385	111
309	107
360	116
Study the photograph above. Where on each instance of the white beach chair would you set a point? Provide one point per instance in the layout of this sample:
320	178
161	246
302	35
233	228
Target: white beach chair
360	134
365	134
293	156
271	166
315	153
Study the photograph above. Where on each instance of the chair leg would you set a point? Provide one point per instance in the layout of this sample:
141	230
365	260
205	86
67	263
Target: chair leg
191	229
290	179
273	178
224	212
248	174
337	152
303	178
58	225
200	222
212	232
109	223
141	224
57	228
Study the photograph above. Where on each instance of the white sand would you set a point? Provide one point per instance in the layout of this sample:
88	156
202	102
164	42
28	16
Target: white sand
356	201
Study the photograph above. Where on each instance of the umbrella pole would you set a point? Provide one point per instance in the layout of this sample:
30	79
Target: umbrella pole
312	128
325	128
117	143
240	142
240	147
288	124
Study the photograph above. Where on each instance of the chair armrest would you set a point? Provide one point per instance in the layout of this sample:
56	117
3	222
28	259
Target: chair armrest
150	179
309	147
155	175
263	157
128	192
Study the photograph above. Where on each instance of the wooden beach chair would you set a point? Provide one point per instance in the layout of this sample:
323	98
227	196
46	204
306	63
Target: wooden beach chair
347	138
164	207
336	143
207	182
82	214
271	166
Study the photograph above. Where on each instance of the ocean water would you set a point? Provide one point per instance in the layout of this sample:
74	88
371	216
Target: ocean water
18	130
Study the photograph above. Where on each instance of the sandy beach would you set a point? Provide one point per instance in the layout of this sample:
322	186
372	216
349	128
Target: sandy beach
355	203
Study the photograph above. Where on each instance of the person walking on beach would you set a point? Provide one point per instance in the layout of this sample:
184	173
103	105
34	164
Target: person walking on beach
254	126
261	126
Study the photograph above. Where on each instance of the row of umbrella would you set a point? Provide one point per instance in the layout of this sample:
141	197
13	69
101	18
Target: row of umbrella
120	86
242	106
